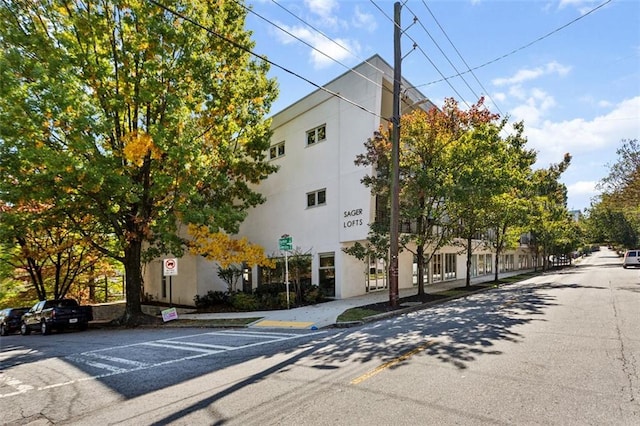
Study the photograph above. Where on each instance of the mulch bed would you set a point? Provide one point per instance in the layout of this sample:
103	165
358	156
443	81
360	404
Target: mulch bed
417	299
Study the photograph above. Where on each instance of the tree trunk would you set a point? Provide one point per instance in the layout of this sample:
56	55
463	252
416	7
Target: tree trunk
498	251
468	275
420	266
92	285
133	282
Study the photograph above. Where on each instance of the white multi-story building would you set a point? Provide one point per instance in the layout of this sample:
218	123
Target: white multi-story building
317	197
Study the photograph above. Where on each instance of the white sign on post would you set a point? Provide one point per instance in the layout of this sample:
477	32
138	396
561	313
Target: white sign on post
170	267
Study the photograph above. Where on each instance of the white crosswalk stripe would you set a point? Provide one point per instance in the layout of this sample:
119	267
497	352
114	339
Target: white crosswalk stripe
110	361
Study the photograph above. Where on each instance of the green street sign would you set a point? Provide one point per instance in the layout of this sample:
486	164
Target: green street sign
285	243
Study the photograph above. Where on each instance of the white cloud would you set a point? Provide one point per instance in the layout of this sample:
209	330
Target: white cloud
337	50
531	74
500	96
363	20
583	187
536	105
579	136
324	52
333	51
517	92
583	6
580	194
325	10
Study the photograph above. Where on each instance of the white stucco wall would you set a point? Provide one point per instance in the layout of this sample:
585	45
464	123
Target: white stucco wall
327	165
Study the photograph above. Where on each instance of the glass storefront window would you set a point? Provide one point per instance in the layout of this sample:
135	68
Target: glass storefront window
327	274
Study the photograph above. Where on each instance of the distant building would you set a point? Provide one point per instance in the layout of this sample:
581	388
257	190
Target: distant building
317	197
576	215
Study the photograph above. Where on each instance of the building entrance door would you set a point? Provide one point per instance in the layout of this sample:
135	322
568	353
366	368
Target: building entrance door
377	275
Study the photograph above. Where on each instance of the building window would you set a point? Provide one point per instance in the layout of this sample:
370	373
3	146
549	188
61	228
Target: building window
276	151
474	265
316	135
299	271
317	198
425	271
376	275
327	274
436	262
450	266
488	269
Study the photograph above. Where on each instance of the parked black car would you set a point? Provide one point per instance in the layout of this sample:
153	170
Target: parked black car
10	320
59	314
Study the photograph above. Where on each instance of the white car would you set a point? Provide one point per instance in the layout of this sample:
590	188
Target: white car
631	258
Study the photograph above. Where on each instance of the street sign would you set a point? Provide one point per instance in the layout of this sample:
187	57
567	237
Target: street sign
170	267
286	243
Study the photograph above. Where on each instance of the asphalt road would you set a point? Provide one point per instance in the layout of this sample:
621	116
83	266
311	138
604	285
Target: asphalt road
561	348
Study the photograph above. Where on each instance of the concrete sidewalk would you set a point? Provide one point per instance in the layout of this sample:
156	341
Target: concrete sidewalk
325	314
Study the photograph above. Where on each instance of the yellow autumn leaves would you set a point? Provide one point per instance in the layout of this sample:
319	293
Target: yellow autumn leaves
225	250
137	146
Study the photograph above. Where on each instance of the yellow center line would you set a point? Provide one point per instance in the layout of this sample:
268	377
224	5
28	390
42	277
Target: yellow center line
391	363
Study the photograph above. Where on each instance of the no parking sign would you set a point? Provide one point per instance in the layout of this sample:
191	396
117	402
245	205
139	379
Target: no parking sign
170	267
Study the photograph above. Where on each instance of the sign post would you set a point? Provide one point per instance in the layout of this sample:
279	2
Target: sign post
285	243
169	269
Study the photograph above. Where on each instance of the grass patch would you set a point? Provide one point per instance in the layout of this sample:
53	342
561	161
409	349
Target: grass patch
355	314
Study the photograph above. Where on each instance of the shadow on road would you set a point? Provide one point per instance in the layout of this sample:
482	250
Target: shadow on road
455	333
461	330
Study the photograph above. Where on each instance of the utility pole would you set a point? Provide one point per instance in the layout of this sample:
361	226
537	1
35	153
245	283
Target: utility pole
395	162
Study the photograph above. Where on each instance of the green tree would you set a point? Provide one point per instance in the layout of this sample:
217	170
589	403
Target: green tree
622	184
478	173
508	209
549	217
608	223
431	159
45	252
615	217
127	113
440	169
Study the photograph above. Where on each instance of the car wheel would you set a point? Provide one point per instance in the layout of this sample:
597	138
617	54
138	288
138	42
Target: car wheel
44	328
3	330
24	330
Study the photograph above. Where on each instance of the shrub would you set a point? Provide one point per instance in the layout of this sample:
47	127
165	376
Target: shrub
270	289
312	295
244	301
282	300
210	299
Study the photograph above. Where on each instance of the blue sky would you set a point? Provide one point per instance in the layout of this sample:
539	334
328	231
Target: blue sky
572	76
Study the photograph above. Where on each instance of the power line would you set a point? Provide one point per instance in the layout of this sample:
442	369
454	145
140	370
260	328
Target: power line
521	47
416	45
261	57
345	48
460	55
442	51
308	44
